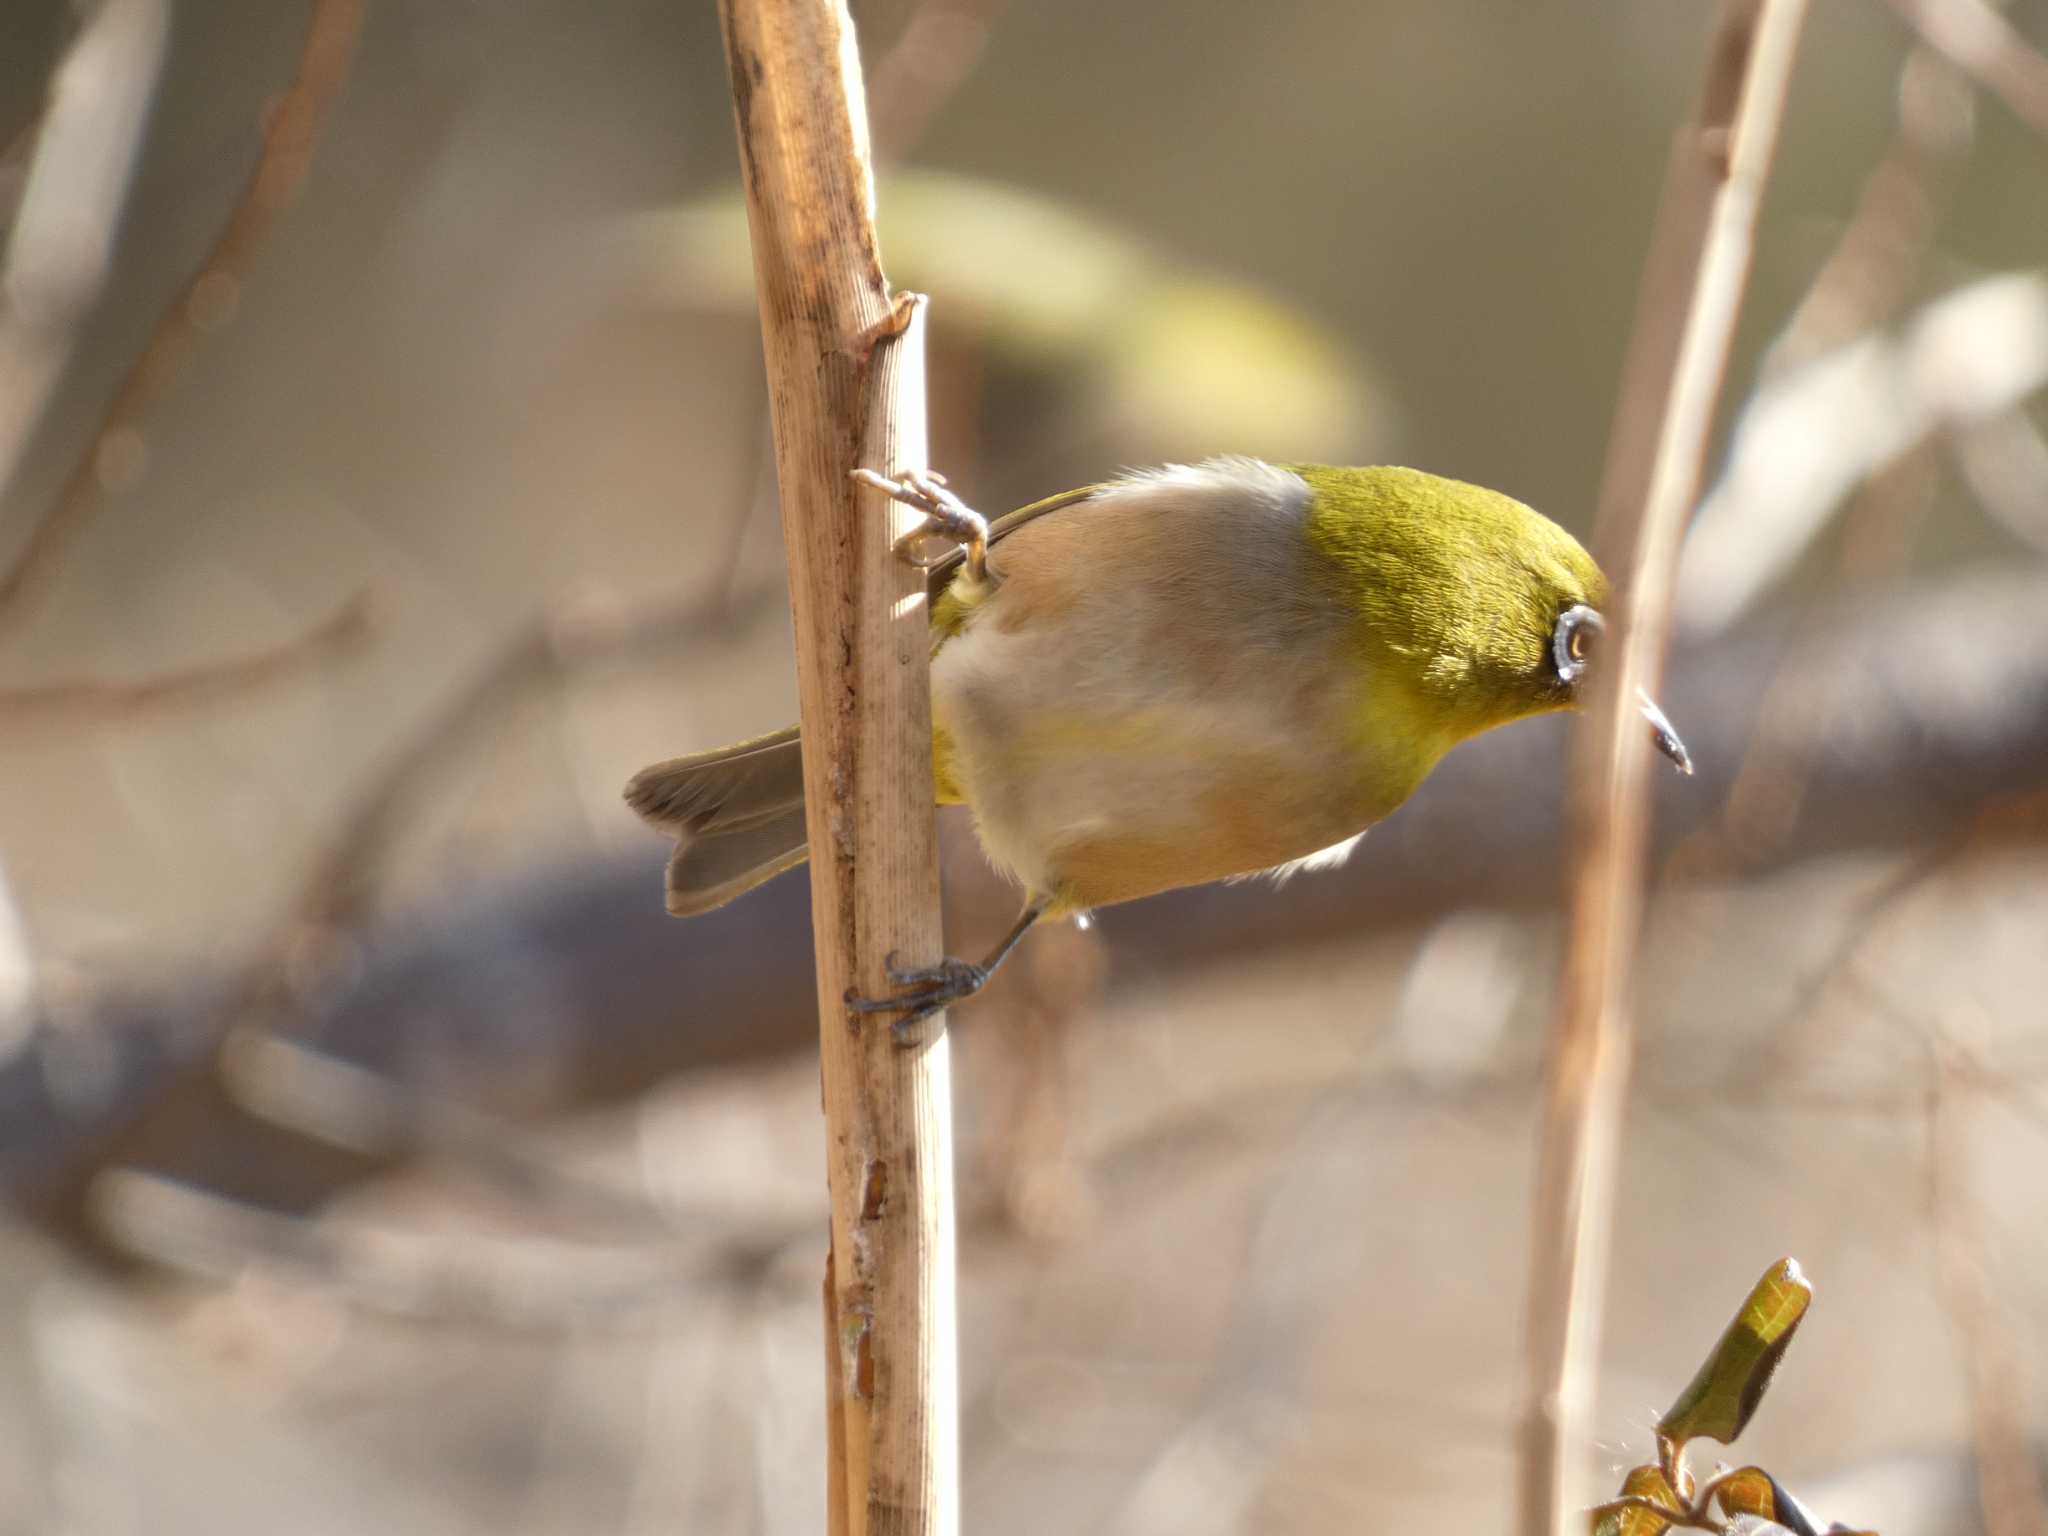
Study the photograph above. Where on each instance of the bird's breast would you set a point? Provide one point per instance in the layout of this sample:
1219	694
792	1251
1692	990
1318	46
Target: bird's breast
1184	715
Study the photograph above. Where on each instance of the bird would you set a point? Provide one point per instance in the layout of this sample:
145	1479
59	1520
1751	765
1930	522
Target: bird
1185	674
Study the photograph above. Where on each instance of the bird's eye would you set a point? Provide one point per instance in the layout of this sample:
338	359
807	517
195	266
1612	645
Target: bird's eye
1571	646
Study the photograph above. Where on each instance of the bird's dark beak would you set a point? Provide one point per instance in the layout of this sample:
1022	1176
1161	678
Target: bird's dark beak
1662	733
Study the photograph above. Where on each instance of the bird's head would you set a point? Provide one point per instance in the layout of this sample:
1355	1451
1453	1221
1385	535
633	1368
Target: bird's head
1472	609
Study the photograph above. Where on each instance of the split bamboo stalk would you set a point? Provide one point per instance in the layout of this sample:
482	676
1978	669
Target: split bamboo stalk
846	387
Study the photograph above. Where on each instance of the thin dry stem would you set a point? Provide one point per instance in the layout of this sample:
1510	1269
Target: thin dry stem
114	449
2004	461
520	1283
838	1510
344	1104
1690	300
75	702
61	206
340	884
1799	708
1980	42
2008	1489
846	386
938	48
551	648
18	144
1882	251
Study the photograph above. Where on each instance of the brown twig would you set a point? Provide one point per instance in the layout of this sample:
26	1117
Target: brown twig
1980	42
93	702
63	209
1881	252
938	48
351	1107
838	1507
1799	700
1918	775
1295	1273
2004	461
2008	1490
17	149
20	140
1685	321
546	651
339	886
114	451
1867	924
1878	261
1810	436
520	1283
845	371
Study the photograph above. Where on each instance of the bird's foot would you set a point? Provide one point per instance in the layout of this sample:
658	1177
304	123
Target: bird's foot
927	990
946	517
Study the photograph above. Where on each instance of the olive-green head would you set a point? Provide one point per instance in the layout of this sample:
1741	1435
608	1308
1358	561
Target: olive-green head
1471	609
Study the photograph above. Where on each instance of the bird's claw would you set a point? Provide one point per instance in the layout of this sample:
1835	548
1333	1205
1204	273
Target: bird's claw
946	517
927	990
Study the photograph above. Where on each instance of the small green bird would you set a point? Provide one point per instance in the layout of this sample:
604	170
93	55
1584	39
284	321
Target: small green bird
1184	675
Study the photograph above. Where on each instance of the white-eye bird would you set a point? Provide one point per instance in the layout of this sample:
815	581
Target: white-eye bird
1184	675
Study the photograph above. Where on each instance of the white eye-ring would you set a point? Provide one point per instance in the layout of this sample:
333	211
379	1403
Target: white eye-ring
1571	643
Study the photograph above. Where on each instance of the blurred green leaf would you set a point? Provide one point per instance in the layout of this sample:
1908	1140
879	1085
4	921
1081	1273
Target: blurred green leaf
1729	1386
1184	361
1644	1482
1204	362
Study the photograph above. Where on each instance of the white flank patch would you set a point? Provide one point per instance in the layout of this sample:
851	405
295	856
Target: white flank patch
1332	857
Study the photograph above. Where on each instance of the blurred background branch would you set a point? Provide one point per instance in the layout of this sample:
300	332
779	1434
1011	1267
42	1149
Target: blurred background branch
386	1157
51	287
2009	1486
1925	762
1687	309
76	155
1973	36
81	702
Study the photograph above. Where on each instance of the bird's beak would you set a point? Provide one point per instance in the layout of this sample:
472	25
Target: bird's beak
1662	733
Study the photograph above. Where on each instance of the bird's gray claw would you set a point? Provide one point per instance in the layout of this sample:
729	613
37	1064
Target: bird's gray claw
954	978
927	990
909	1032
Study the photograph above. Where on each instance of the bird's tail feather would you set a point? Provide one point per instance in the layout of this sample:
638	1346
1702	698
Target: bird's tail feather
737	815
